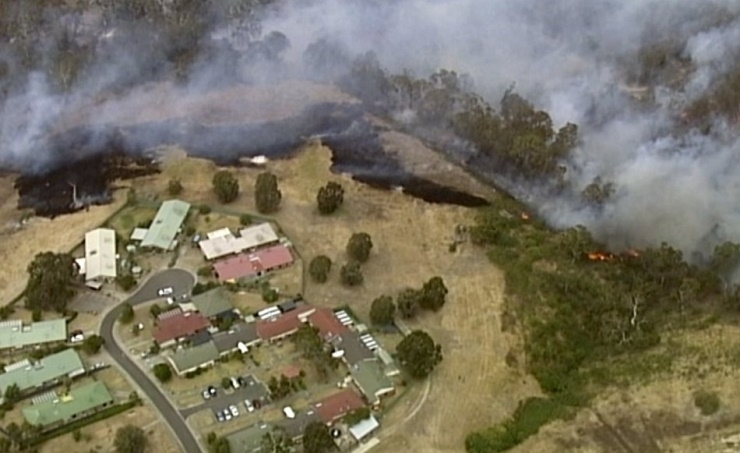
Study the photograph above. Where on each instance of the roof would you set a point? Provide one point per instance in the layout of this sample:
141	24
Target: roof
49	368
249	264
219	246
77	401
199	338
338	405
165	225
178	326
283	324
227	341
13	334
258	235
248	440
370	379
294	427
189	358
354	348
100	253
363	428
139	234
212	303
328	324
219	233
287	305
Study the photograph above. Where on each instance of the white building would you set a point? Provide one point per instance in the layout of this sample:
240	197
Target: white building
100	254
258	236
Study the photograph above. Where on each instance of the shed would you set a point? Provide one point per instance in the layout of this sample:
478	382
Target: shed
139	234
364	428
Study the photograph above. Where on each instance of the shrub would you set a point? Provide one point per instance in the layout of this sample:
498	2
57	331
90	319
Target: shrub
330	198
174	187
359	246
707	402
204	209
127	313
245	219
319	268
162	372
126	282
270	295
36	315
351	274
92	344
205	271
382	310
267	196
226	186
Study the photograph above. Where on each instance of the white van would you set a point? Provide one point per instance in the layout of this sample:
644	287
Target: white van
288	411
235	383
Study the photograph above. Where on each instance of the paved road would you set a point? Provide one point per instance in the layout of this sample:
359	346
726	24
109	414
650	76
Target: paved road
252	391
182	281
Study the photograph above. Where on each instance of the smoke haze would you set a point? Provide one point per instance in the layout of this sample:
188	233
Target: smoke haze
575	59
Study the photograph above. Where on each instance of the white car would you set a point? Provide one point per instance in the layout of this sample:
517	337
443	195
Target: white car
170	300
77	338
234	410
248	404
288	411
165	291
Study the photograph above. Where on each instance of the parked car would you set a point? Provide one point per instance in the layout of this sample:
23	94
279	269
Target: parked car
234	410
288	411
170	300
220	416
248	404
241	381
227	415
206	394
165	291
235	383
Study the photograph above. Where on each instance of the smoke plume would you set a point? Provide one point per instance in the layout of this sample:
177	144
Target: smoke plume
577	59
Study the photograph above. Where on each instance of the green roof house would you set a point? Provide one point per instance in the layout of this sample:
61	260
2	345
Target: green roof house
190	359
14	334
214	303
166	224
369	377
49	370
77	404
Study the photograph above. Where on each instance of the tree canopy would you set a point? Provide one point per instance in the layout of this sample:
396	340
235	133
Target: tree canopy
317	439
319	268
330	198
433	294
276	441
226	186
51	281
359	247
162	372
92	344
309	342
418	354
408	302
267	195
130	439
351	274
382	310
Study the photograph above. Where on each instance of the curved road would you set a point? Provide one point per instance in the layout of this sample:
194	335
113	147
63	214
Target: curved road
182	282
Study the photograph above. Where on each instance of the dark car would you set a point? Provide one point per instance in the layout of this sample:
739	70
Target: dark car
212	390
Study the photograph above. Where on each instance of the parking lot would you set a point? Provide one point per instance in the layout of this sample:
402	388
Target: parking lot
92	302
252	390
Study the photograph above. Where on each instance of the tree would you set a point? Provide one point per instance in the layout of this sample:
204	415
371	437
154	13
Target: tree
155	310
126	282
50	281
267	196
317	439
382	310
174	187
357	415
276	441
204	209
221	445
309	342
245	219
12	393
319	268
162	372
127	313
92	344
77	435
359	246
433	294
226	383
408	302
351	274
418	353
226	186
130	439
330	198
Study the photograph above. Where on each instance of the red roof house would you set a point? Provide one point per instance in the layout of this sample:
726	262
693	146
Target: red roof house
255	264
172	329
328	324
336	406
284	325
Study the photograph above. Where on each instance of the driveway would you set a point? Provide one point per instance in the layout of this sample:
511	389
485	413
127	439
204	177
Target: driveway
180	280
254	390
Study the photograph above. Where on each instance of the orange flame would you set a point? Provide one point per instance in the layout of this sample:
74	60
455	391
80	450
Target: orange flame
598	256
633	253
525	216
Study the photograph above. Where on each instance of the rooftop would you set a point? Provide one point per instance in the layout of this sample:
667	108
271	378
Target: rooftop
365	427
188	358
218	246
49	368
281	325
179	325
242	332
212	303
77	401
139	234
100	254
258	235
166	224
248	440
371	379
336	406
247	265
354	348
13	334
328	324
294	427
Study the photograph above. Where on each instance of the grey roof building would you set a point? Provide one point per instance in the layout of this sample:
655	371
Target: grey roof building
354	348
166	224
369	377
46	371
190	359
13	334
248	440
213	303
240	333
294	427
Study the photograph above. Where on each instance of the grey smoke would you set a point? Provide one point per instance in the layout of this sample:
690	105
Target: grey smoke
568	56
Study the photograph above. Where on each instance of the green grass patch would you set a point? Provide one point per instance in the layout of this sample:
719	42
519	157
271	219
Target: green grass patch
707	402
131	217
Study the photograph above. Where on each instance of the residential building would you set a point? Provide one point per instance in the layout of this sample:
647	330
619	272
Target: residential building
220	246
260	235
252	265
336	406
244	334
100	254
354	349
294	427
45	372
364	428
166	224
77	404
369	377
248	440
389	365
213	304
179	326
14	334
284	325
139	234
327	324
190	359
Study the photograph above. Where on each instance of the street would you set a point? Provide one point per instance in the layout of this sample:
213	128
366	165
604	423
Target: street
182	282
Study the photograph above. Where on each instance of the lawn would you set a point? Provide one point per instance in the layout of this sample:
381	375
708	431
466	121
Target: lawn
129	218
